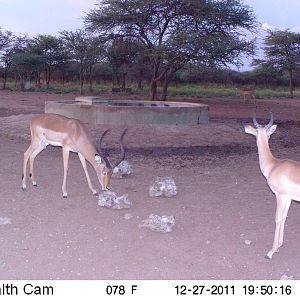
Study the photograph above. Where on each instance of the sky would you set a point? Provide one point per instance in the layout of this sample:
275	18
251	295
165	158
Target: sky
52	16
277	14
43	16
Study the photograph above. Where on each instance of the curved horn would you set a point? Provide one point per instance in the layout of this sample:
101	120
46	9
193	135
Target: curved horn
122	154
271	120
255	123
102	151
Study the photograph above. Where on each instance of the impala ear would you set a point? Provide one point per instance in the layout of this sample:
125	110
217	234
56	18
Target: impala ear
98	158
271	130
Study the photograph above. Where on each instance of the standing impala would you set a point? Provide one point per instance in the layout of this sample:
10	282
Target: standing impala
283	177
72	135
247	93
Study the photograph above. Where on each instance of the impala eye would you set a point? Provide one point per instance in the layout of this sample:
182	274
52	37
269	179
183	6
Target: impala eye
104	173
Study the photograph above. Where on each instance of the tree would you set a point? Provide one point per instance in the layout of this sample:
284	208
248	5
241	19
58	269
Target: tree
6	41
50	48
5	38
84	49
282	50
121	54
95	52
11	45
264	72
175	32
26	64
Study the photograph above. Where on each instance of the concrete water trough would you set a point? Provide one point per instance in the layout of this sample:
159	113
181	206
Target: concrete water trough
95	110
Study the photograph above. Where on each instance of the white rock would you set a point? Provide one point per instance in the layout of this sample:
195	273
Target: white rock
5	221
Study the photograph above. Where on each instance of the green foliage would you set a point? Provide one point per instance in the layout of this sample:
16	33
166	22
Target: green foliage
200	91
85	49
5	38
174	33
182	42
227	92
282	50
184	92
27	61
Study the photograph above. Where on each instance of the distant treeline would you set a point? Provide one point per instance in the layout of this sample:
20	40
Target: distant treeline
153	43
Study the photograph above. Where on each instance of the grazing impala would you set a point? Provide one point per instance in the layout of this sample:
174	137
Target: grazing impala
72	135
283	177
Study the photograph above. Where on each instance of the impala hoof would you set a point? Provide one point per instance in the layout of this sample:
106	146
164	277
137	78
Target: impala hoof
34	184
95	194
65	196
270	255
23	188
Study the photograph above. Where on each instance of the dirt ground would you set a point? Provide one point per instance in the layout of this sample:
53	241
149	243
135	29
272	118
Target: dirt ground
224	210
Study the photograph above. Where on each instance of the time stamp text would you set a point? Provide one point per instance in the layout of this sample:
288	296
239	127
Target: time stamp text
169	288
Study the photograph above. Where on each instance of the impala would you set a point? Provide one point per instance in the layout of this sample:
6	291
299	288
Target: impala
247	93
72	135
283	177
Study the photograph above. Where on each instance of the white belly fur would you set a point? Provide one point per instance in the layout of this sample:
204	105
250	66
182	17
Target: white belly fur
44	142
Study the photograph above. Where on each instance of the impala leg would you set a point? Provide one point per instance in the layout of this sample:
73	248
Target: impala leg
283	205
66	165
33	155
83	162
26	157
285	212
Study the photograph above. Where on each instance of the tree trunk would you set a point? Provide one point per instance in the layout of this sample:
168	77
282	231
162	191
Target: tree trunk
90	80
16	81
153	86
123	81
23	82
4	83
140	80
81	78
4	79
153	90
63	77
291	84
47	77
165	88
39	80
91	85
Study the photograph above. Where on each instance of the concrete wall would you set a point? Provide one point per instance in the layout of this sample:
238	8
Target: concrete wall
93	113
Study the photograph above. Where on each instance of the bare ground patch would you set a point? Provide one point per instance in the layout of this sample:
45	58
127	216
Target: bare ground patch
224	211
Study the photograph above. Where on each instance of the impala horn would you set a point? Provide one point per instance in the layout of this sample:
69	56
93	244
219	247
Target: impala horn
257	125
103	152
122	154
271	120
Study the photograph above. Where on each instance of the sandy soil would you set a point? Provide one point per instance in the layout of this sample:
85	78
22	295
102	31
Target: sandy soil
224	210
